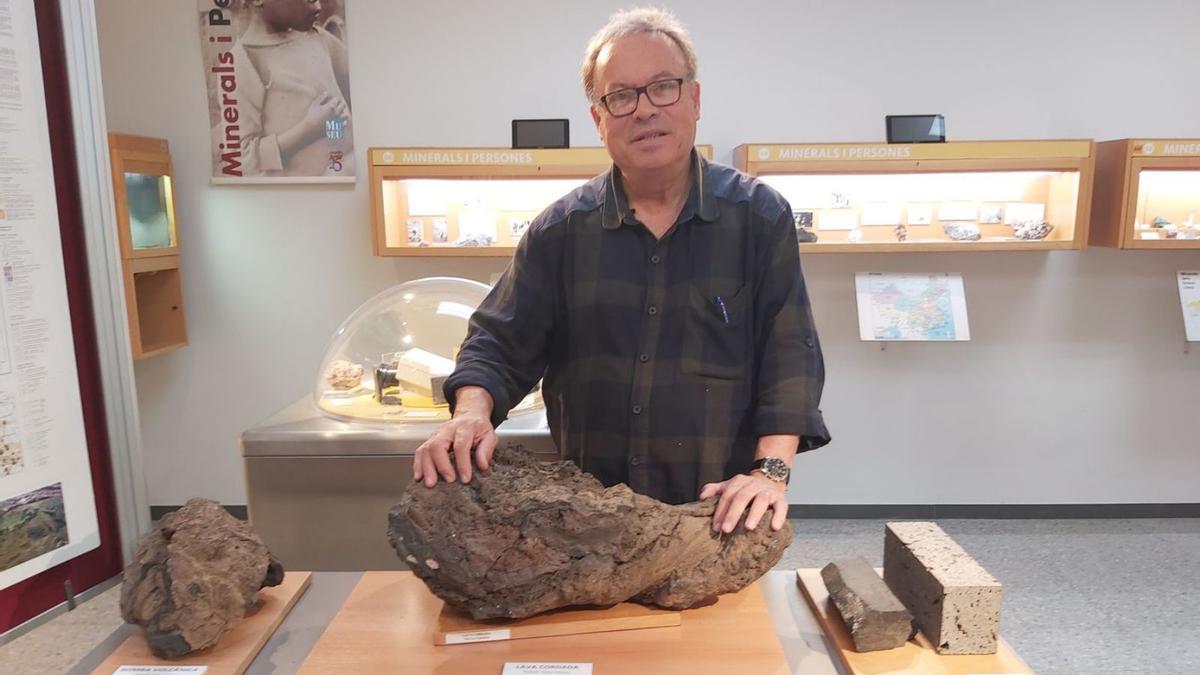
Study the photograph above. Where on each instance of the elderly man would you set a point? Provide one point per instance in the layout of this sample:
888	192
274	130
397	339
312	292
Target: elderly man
662	302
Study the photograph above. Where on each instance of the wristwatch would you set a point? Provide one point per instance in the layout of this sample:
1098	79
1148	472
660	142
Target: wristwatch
774	468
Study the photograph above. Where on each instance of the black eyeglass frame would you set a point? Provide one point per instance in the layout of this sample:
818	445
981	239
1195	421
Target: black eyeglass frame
645	89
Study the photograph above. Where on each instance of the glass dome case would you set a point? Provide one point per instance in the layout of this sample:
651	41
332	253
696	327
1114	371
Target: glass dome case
387	362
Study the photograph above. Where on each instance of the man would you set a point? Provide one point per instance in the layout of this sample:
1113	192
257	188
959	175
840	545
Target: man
662	302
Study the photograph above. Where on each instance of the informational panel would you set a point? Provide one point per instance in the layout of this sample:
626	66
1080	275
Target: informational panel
1189	300
911	307
47	507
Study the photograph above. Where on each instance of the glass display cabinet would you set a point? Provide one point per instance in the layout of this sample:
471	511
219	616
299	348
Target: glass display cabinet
149	239
343	454
470	201
1147	194
387	362
960	196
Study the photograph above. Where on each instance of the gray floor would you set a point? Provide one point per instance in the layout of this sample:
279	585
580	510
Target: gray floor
1080	596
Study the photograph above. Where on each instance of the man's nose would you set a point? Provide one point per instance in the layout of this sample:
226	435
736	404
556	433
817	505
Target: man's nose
645	107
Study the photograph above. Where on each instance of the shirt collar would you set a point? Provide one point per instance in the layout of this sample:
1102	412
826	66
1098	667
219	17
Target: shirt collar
701	203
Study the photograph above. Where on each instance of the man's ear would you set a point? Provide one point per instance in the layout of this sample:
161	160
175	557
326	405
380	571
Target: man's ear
695	94
596	119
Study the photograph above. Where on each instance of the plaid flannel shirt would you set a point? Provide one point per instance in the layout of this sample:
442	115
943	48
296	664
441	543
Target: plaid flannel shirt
664	360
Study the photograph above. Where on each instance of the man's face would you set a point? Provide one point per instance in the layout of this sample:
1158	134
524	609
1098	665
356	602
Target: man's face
297	15
653	137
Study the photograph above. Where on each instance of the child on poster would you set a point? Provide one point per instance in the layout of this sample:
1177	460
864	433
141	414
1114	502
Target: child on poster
294	82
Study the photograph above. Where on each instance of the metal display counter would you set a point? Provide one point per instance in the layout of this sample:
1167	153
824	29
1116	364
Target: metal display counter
319	489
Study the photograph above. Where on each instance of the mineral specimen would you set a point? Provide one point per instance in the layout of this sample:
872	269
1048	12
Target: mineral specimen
344	375
193	577
530	536
475	240
962	231
1033	229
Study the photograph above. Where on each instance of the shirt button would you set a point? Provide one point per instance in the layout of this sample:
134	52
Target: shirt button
652	310
644	358
636	461
655	259
637	410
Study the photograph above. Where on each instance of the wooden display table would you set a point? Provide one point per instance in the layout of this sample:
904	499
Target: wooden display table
916	656
236	649
388	623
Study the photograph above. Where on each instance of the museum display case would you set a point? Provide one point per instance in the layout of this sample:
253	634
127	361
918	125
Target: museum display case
470	201
344	452
958	196
1147	194
149	240
387	362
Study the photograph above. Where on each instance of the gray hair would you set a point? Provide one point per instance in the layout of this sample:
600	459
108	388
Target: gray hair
632	22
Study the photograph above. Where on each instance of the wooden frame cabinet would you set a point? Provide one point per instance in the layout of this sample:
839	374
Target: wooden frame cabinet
146	226
1147	194
449	202
958	196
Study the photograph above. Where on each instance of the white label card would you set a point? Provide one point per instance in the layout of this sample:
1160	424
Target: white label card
1189	300
478	636
156	669
547	669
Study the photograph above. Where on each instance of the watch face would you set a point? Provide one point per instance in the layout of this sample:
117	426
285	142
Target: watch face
775	469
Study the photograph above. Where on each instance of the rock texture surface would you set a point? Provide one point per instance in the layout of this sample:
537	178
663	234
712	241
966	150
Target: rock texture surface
193	577
532	536
874	615
955	602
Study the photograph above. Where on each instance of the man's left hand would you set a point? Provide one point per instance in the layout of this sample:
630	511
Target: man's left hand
755	491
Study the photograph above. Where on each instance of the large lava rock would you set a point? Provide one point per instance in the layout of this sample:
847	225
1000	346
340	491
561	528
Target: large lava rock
193	577
533	536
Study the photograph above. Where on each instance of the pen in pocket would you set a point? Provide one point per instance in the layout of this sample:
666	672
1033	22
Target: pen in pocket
724	312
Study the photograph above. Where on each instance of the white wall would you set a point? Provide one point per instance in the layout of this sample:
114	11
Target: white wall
1076	387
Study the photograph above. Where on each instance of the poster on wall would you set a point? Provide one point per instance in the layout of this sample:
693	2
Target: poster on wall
278	82
47	507
1189	300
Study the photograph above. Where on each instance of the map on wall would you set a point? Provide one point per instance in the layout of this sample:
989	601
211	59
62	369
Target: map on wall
911	307
1189	300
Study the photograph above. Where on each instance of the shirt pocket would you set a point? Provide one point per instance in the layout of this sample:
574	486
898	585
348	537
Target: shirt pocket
716	334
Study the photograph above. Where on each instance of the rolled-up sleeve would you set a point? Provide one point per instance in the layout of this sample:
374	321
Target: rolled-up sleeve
505	350
790	367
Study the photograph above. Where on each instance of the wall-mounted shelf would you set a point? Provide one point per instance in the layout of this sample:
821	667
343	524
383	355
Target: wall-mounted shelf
470	202
146	227
1147	194
959	196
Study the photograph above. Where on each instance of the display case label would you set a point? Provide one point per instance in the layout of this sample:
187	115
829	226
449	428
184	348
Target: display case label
851	152
161	669
496	156
547	669
1167	148
478	636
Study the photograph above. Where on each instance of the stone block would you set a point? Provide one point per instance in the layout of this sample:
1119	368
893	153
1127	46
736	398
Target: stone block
954	601
874	616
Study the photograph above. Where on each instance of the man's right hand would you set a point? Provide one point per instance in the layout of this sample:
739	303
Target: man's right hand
469	429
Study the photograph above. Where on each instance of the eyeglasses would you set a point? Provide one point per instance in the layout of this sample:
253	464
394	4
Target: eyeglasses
662	93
